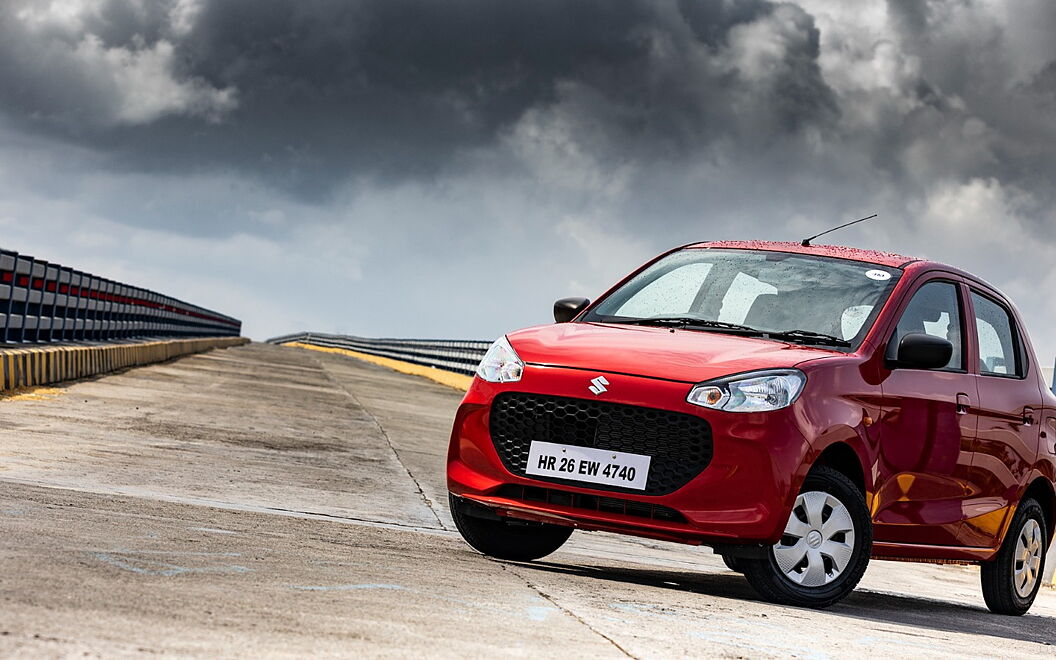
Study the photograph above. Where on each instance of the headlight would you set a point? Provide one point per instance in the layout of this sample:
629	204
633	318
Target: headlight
759	391
501	364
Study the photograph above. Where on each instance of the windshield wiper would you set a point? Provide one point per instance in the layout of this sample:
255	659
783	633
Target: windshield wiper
690	322
809	336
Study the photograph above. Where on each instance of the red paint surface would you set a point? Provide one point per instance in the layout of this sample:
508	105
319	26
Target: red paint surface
653	352
942	478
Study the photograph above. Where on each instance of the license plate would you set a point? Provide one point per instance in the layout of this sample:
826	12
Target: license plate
598	466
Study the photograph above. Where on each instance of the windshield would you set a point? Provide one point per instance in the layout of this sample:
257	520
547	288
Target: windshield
772	292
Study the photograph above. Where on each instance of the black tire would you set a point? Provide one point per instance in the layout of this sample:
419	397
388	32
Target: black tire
732	563
997	576
512	540
769	580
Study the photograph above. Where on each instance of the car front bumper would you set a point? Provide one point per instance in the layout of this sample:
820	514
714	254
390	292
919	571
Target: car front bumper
743	496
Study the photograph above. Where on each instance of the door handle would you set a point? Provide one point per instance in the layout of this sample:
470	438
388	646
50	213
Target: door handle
1028	416
963	404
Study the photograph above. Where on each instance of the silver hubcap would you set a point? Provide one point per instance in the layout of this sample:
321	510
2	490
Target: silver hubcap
1026	568
818	541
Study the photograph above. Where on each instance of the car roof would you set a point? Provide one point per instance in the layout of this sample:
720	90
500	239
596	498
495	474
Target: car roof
877	257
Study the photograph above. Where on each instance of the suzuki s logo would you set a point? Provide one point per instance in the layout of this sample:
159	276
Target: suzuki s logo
598	385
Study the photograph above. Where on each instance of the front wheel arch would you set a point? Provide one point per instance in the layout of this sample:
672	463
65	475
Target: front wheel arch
834	452
841	457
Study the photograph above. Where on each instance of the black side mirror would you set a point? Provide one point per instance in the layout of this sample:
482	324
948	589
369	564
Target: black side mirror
567	309
918	350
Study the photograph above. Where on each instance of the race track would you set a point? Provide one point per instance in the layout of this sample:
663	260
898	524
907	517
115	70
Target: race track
273	501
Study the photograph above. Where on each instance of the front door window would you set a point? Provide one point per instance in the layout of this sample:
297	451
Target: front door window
934	310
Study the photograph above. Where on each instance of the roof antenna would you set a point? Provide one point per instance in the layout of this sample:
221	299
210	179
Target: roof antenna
806	241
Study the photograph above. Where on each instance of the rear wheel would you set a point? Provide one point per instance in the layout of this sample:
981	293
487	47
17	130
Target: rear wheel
824	550
497	537
1011	581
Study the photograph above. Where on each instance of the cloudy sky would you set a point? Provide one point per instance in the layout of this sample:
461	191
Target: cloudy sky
449	168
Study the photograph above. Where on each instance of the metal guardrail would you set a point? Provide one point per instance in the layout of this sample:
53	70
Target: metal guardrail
459	356
42	302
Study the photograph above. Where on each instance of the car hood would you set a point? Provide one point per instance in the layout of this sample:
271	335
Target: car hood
689	356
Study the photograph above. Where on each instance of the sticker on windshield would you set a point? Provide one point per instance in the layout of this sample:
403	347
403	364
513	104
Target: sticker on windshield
878	275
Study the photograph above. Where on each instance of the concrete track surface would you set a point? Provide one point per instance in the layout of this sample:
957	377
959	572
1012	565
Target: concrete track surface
271	501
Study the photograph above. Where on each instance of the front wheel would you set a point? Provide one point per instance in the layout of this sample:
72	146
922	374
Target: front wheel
824	550
506	539
732	563
1011	581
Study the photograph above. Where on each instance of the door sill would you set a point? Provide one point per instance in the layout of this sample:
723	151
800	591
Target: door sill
938	554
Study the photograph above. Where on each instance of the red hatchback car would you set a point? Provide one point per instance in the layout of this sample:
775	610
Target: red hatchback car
799	409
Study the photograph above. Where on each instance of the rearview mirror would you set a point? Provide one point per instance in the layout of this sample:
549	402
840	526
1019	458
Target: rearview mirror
918	350
567	309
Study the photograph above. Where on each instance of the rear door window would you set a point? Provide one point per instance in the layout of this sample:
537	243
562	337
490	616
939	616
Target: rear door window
999	353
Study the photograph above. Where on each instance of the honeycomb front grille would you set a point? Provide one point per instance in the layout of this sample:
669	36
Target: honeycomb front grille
680	445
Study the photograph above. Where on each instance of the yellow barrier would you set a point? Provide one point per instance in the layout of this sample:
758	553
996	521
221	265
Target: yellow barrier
41	365
451	379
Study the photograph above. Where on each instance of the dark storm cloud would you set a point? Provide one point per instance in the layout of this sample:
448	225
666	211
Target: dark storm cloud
910	16
391	150
317	92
